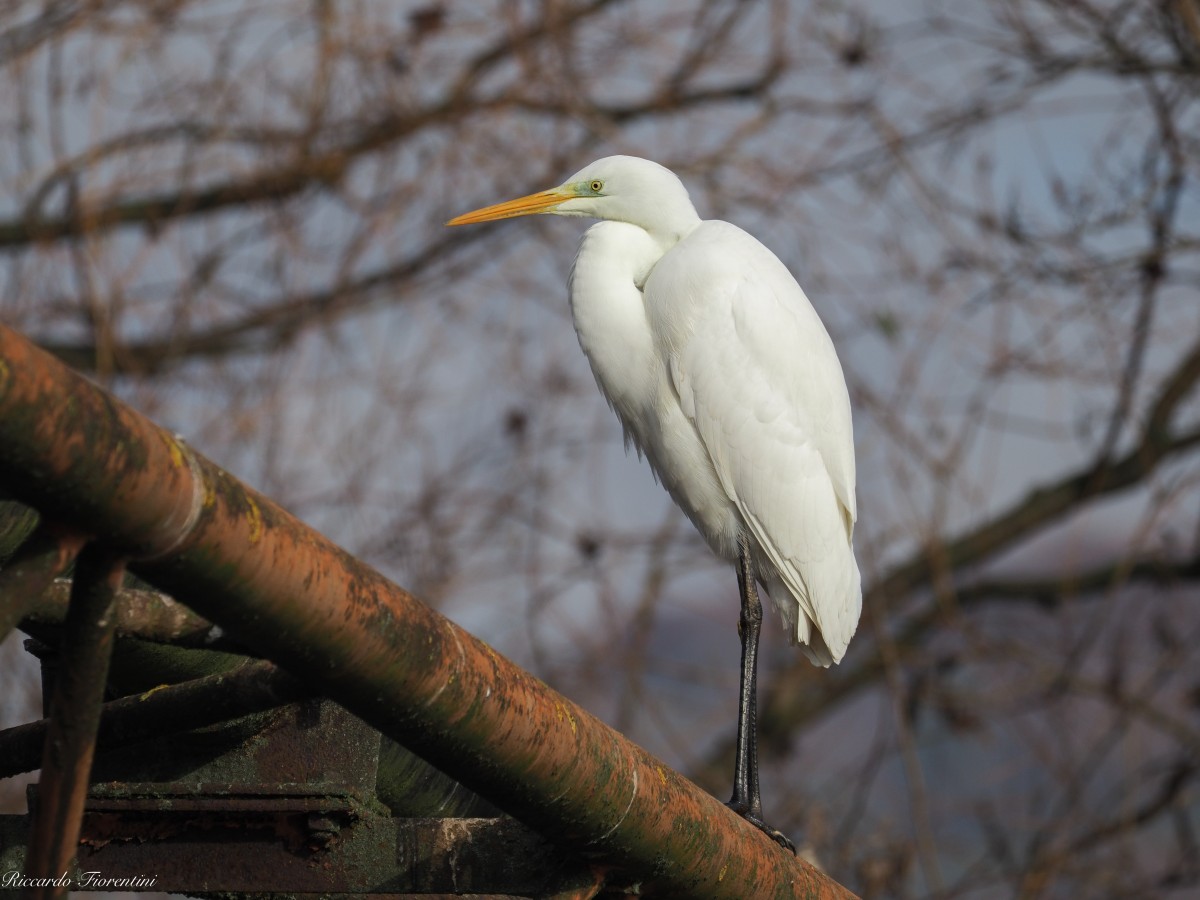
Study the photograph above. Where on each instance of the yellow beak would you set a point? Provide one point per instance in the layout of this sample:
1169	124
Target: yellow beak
543	201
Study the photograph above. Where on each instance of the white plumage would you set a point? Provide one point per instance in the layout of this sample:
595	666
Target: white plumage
725	379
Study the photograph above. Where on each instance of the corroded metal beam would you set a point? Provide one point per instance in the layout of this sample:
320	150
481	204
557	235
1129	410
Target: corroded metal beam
402	857
77	454
140	613
74	717
198	703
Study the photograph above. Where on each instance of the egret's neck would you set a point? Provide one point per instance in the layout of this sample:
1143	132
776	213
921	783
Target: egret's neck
671	223
613	263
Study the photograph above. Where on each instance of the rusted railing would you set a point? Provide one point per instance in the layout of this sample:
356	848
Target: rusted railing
78	455
70	740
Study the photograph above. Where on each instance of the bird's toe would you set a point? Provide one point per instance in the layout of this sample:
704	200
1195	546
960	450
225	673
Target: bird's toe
773	833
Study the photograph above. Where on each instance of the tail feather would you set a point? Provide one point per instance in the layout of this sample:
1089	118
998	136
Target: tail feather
823	646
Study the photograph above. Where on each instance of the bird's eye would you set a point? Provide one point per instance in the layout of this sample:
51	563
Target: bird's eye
597	186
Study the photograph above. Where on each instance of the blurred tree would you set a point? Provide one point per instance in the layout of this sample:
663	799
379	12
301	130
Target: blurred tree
231	214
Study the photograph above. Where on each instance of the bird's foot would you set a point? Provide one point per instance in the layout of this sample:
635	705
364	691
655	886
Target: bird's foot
773	833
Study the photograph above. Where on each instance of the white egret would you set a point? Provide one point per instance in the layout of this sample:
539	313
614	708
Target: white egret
725	379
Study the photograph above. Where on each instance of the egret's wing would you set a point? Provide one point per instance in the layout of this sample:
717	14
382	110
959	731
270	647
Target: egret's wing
758	376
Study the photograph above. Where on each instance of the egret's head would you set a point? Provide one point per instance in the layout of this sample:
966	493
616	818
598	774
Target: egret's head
619	188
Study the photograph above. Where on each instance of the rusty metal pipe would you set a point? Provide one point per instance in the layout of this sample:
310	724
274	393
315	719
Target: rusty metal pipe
74	718
249	566
143	614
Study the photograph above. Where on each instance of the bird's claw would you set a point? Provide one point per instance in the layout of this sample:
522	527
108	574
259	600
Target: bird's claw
773	833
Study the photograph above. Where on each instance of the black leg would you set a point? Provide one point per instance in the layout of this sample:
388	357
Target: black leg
746	800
